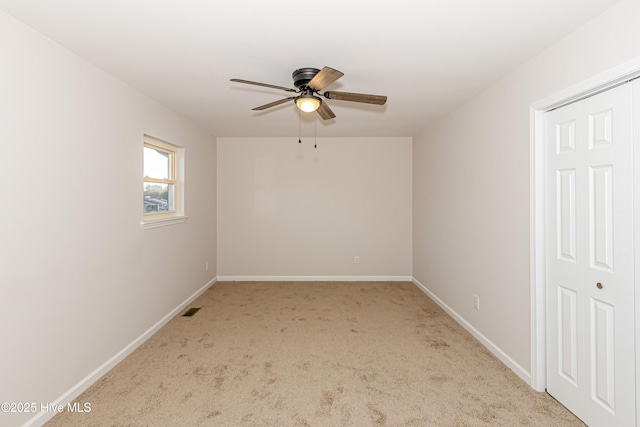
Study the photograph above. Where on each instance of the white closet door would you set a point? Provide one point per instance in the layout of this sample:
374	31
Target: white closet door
589	261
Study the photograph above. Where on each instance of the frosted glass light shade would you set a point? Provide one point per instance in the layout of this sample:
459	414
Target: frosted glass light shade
308	103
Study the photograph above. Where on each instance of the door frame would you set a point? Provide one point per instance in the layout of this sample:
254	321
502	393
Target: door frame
591	86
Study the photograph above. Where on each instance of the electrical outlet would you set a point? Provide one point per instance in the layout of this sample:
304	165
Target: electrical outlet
476	302
356	260
206	266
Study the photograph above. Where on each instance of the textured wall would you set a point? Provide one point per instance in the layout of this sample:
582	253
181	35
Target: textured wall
80	278
288	209
471	183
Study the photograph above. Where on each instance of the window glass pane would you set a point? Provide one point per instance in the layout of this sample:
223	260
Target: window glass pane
157	164
158	197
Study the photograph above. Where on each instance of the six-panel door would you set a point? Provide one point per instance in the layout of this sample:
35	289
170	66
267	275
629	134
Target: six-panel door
589	247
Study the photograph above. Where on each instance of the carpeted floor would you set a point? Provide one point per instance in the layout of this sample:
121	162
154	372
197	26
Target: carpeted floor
314	354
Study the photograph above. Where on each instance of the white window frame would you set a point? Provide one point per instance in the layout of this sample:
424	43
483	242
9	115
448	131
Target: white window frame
176	216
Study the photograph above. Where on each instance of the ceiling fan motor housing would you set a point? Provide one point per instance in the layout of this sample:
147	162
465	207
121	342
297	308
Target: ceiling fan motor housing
302	76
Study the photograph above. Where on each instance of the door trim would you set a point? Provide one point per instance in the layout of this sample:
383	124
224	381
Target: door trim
591	86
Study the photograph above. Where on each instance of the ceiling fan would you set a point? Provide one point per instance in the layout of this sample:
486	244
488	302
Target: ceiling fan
309	82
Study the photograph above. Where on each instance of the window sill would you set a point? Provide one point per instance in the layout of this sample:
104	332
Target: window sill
163	221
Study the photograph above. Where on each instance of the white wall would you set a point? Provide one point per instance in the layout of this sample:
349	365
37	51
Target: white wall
288	209
79	278
471	183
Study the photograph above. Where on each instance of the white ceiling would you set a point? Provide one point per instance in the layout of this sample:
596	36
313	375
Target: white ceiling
427	56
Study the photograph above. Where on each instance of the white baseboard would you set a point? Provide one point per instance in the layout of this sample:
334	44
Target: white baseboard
501	355
314	278
75	391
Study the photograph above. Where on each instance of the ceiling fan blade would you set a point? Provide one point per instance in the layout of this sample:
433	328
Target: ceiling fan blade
324	78
356	97
325	112
264	84
273	104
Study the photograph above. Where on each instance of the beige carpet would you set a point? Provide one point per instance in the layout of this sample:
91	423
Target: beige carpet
314	354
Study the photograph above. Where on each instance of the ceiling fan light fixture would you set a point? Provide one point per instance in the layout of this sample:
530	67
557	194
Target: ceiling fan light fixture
308	103
309	82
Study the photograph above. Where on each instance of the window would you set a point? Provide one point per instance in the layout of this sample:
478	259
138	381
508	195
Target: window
161	202
159	180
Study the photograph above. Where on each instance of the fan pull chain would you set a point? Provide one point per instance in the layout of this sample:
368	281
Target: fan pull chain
315	133
299	128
